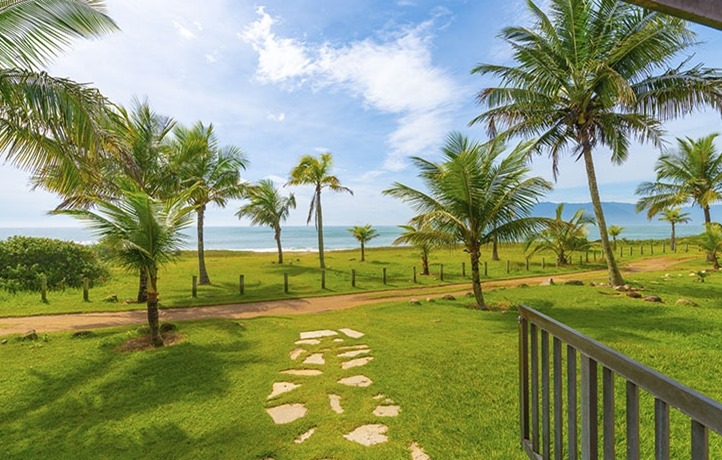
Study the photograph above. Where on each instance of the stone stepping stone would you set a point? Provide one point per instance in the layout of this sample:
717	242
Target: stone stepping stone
387	411
356	362
280	388
307	342
354	353
379	397
335	402
417	453
294	355
354	347
287	413
316	358
351	333
356	381
368	435
317	334
305	436
305	372
338	340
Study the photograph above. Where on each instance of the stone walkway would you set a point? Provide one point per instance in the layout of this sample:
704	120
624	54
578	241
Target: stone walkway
310	365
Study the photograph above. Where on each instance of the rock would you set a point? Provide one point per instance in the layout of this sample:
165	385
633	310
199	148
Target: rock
523	285
352	333
686	303
356	362
280	388
574	283
30	335
317	334
387	411
4	342
335	403
448	297
634	295
469	294
653	298
287	413
168	327
593	284
111	298
627	287
414	302
368	435
356	381
549	282
430	300
81	334
620	288
305	436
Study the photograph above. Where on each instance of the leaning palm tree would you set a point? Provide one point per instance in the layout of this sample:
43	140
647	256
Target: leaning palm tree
364	234
266	206
144	232
476	194
213	171
317	172
614	231
674	216
562	237
46	121
595	73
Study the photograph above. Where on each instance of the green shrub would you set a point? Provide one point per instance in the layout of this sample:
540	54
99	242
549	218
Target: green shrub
23	259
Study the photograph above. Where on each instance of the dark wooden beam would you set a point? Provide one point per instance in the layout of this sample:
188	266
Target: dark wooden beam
707	12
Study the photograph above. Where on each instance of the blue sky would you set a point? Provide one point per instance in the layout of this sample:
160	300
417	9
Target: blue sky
373	82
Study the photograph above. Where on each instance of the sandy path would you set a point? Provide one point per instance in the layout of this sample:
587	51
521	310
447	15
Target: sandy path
81	321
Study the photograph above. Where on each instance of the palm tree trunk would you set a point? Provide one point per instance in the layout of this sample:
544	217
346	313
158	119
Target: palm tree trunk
475	278
615	277
707	221
155	338
202	273
494	250
142	287
363	252
672	242
614	240
319	227
277	235
425	262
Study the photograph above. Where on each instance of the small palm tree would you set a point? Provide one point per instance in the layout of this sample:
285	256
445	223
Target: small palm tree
267	207
145	233
317	172
562	237
478	193
614	231
711	242
420	234
674	216
363	234
212	171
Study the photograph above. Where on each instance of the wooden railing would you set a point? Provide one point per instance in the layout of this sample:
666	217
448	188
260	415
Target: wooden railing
555	442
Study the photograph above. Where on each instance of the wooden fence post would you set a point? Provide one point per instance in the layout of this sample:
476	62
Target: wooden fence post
486	271
587	256
353	277
441	272
527	264
44	288
383	277
242	284
686	248
664	248
285	283
641	249
323	279
86	287
544	263
414	274
508	266
651	248
194	286
463	269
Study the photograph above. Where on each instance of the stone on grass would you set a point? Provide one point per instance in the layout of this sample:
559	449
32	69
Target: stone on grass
653	298
351	333
354	347
368	435
620	288
414	302
4	341
30	335
308	342
379	397
356	362
317	334
354	353
388	401
356	381
280	388
305	436
448	297
338	340
81	334
634	294
574	283
387	411
287	413
430	300
335	402
316	358
549	282
304	372
296	353
469	294
686	303
417	453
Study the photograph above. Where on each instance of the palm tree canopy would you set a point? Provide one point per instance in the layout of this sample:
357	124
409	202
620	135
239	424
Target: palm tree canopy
420	232
615	230
266	206
364	233
675	216
595	72
561	236
476	193
690	174
316	171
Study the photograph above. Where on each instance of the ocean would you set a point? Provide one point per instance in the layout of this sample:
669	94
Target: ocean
260	239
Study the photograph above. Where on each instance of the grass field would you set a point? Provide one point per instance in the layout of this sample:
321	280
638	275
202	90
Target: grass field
452	370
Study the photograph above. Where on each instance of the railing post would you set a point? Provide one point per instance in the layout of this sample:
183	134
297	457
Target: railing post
534	389
572	447
608	411
523	379
590	441
546	425
632	421
700	441
661	430
558	417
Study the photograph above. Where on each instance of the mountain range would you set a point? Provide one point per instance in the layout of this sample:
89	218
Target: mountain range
622	213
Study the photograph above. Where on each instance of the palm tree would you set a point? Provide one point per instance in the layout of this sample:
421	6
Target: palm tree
266	206
614	231
674	216
591	74
562	237
317	172
711	242
478	193
47	121
198	160
363	234
420	234
145	233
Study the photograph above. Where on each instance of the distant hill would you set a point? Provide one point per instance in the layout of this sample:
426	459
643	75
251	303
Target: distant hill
622	213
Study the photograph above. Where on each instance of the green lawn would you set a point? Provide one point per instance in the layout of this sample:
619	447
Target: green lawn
452	370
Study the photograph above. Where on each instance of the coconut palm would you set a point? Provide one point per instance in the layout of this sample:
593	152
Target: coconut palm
213	171
363	234
674	216
614	231
711	242
562	237
595	73
266	206
476	194
420	234
144	232
315	171
47	121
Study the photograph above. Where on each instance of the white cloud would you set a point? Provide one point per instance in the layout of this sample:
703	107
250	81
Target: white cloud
277	117
212	56
183	31
278	180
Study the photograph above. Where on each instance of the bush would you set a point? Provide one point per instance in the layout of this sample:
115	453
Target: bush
64	263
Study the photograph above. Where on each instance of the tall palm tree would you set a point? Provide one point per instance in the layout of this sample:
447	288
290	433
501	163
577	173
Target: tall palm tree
614	231
674	216
562	237
595	73
315	171
266	206
476	194
213	171
47	121
364	234
145	233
